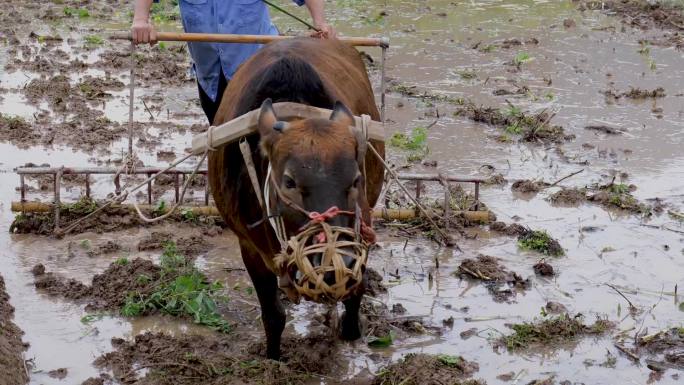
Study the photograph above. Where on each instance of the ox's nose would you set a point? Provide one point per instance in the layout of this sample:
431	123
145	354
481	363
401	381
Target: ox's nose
346	253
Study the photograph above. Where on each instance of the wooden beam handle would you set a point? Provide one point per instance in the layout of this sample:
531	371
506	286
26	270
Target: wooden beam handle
246	39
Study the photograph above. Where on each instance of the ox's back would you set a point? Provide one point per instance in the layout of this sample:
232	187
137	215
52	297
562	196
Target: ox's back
308	71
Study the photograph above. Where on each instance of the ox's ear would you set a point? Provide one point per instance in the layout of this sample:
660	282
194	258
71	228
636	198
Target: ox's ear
268	125
341	114
267	119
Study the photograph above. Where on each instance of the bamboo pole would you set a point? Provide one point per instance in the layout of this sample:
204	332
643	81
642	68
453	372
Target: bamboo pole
211	211
247	39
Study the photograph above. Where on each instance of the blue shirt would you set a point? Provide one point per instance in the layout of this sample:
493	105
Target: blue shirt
249	17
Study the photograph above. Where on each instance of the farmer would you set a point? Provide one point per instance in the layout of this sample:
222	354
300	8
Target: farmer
215	63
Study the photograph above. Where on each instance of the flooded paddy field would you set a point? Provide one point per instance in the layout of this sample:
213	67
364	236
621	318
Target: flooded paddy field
572	109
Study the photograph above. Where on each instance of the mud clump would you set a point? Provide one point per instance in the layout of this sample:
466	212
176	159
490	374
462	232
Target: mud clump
59	374
568	197
105	248
552	332
166	66
543	269
417	369
668	345
602	128
496	180
189	246
108	290
637	93
374	286
95	88
540	241
54	285
529	127
12	367
382	324
619	196
512	230
641	13
194	359
56	91
17	131
501	283
526	186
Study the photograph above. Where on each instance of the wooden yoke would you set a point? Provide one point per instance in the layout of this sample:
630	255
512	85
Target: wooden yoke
246	124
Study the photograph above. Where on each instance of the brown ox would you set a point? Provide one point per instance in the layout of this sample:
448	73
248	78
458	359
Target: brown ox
313	161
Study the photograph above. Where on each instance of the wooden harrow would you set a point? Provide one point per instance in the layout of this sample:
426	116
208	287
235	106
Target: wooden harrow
179	175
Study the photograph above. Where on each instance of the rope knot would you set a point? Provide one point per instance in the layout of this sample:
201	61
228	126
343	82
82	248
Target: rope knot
330	213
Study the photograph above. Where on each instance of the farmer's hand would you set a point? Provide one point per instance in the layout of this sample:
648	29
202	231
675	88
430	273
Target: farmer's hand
325	31
142	31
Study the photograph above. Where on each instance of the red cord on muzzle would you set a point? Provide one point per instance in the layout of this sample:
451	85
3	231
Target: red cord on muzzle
367	233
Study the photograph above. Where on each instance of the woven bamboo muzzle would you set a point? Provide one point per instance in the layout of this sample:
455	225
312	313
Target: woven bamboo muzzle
296	260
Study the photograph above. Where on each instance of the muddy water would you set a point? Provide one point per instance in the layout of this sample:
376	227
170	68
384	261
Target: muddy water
431	45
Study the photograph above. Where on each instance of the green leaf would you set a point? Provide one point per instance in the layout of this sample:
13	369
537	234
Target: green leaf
450	360
681	306
381	342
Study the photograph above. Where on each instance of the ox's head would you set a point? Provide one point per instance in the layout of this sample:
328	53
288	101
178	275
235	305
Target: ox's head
315	164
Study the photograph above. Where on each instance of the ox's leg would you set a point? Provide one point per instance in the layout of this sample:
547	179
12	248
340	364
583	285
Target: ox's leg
351	328
266	285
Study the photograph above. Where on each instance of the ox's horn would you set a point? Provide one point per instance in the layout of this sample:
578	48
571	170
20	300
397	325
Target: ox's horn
361	144
281	126
342	114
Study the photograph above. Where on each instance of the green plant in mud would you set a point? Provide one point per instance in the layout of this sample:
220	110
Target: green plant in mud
123	261
467	75
415	143
381	342
165	11
160	209
189	216
552	331
619	195
182	290
521	58
449	360
541	241
13	122
375	20
83	206
93	41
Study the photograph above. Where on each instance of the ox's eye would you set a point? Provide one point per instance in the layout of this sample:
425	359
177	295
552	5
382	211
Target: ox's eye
289	182
357	182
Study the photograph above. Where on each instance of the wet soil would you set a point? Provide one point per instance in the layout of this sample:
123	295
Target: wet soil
512	230
216	360
553	332
17	130
528	186
108	290
665	349
637	93
502	284
530	127
568	197
110	219
12	368
416	369
383	323
646	15
188	246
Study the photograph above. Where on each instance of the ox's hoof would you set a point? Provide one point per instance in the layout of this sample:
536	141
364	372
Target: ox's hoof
350	328
273	354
